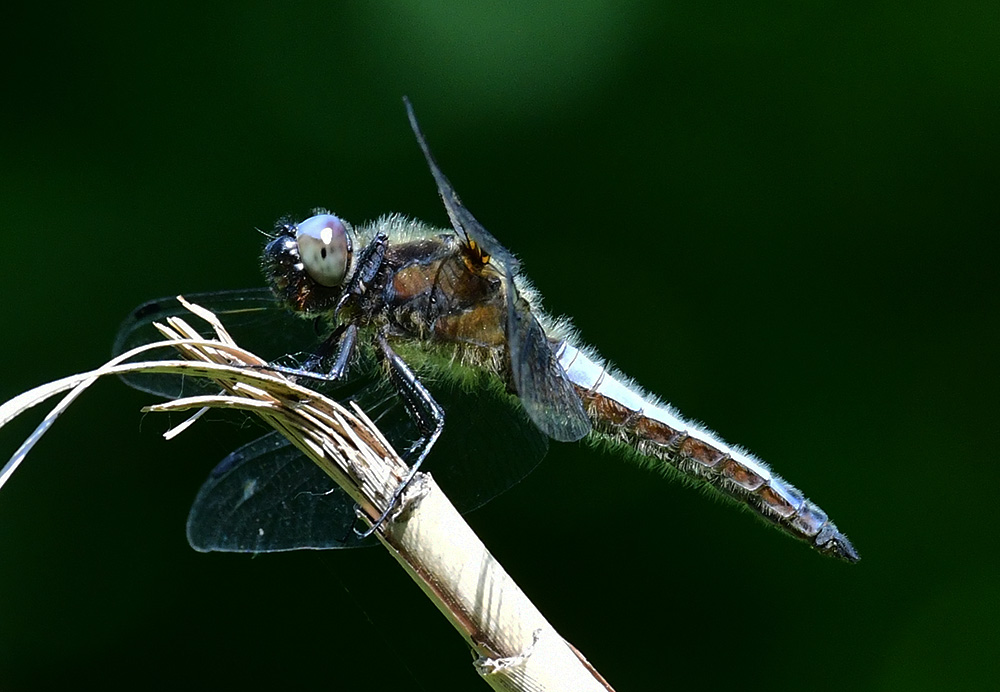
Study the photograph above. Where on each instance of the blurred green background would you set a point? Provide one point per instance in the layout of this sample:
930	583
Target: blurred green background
781	219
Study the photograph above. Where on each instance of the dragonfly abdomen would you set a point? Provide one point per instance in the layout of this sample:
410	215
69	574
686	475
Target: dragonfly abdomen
657	433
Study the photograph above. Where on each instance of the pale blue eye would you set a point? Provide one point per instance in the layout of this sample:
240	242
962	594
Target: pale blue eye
324	248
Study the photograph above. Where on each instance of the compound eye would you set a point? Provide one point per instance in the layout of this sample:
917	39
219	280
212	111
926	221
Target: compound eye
324	248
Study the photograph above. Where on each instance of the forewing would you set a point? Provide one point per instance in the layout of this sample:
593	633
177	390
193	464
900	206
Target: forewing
461	218
252	316
266	497
547	396
546	393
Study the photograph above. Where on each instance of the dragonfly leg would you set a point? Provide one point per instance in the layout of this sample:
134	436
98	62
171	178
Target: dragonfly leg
328	364
368	265
426	413
337	351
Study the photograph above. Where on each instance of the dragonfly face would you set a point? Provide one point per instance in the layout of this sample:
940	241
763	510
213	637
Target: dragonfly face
308	263
453	304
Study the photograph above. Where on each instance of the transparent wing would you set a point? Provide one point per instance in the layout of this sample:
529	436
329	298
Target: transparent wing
252	316
488	445
547	396
461	218
546	393
267	496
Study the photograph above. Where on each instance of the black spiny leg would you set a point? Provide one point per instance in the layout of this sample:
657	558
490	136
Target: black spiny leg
426	413
337	349
368	265
330	361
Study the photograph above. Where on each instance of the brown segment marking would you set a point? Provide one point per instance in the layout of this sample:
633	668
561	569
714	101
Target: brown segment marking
741	475
772	498
699	450
655	431
603	408
778	502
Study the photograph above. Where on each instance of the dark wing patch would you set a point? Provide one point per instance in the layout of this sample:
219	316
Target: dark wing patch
461	218
546	393
547	396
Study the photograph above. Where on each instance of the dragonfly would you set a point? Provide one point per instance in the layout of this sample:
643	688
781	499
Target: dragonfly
440	337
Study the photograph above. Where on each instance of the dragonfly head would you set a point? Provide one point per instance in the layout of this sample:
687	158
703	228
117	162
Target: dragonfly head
306	264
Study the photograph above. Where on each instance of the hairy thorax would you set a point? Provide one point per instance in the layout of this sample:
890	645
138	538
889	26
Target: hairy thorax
430	290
